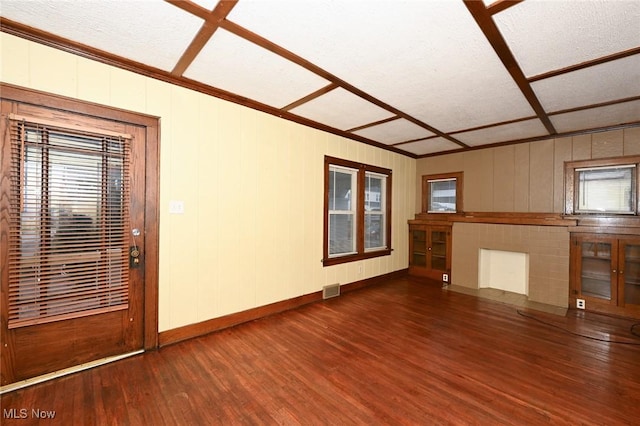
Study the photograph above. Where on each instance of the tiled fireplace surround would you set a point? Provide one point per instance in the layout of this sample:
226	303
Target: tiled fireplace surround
547	246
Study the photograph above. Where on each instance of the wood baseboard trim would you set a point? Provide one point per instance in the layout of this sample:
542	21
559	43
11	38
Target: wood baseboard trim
190	331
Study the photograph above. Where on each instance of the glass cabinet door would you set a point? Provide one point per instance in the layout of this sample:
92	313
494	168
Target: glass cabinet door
439	250
631	274
419	248
595	277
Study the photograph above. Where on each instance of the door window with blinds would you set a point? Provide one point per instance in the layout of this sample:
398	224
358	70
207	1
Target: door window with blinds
68	254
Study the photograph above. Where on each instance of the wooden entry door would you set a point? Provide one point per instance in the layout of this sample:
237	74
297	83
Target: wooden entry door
73	233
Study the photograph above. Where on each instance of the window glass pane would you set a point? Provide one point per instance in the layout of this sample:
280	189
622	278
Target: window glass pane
374	231
442	195
341	191
341	234
373	193
606	189
375	205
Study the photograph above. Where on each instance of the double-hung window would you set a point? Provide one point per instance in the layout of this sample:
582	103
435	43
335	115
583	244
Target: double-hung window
357	211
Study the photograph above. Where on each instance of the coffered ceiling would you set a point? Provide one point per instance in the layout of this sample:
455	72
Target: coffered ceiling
416	77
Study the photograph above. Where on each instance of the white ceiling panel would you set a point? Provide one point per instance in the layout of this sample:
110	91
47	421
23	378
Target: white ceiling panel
549	35
611	115
207	4
395	131
429	59
437	63
231	63
601	83
503	133
151	32
429	146
342	109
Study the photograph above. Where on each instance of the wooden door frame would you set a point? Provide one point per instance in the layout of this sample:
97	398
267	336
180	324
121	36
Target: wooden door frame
152	186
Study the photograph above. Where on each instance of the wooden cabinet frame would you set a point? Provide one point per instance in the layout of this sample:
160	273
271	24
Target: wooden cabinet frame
433	243
608	262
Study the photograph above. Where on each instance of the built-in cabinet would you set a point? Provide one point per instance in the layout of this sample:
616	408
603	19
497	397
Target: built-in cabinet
430	250
605	273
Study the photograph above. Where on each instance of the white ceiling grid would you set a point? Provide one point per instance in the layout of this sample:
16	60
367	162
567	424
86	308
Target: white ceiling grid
618	79
238	66
549	35
342	109
410	76
395	131
126	28
502	133
426	58
594	118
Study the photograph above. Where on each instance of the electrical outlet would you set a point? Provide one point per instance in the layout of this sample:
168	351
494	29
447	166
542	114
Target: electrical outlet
580	304
445	278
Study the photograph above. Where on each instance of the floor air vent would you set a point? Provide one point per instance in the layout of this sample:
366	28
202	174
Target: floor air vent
329	291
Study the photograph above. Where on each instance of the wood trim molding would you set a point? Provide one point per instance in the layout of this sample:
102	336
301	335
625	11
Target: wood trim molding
484	19
211	25
179	334
500	5
323	90
504	218
587	64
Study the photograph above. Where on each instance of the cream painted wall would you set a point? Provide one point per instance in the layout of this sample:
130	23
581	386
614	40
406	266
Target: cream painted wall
526	177
252	186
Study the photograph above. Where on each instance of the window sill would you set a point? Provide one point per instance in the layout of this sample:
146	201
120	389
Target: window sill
355	257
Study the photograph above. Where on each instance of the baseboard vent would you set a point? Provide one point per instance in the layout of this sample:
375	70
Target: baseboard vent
329	291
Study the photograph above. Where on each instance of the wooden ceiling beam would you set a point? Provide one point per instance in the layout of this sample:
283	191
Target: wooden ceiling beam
500	5
484	20
324	90
586	64
375	123
212	23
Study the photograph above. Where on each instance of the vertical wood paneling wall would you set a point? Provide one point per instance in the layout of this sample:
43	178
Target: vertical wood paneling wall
527	177
521	178
251	183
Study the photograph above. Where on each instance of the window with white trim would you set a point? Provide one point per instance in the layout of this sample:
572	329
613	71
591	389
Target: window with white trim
342	210
357	211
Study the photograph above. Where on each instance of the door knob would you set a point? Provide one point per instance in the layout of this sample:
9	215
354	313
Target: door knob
134	257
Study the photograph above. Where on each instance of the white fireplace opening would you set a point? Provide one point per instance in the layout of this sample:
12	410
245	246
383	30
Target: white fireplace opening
504	270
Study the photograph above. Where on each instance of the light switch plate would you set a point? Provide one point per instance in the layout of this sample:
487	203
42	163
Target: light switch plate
176	207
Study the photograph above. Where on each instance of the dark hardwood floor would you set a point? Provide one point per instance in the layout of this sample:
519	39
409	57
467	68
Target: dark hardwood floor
400	353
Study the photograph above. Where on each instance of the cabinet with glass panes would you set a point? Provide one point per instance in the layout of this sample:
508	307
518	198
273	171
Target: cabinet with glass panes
430	250
605	272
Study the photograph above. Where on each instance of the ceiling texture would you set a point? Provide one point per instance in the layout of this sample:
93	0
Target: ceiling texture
418	77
